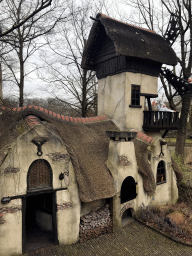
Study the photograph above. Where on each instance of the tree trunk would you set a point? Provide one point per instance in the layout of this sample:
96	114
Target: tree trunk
21	95
21	82
181	133
84	94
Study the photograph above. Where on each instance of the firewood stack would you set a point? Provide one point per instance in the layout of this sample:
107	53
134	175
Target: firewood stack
95	223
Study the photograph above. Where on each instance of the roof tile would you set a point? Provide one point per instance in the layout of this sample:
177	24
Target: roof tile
62	117
41	109
79	120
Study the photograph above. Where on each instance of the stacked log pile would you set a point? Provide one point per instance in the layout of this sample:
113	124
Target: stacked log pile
95	223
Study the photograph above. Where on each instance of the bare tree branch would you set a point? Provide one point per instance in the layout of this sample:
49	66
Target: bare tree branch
44	4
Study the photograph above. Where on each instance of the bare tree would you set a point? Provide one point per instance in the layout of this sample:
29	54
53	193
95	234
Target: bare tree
40	5
74	86
22	42
174	21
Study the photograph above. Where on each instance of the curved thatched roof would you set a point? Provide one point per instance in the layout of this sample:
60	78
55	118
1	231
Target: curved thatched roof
86	142
85	139
128	40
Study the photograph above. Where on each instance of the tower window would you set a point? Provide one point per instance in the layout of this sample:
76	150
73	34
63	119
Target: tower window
161	177
135	96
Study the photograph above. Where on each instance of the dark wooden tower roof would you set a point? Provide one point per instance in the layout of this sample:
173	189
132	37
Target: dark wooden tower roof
110	38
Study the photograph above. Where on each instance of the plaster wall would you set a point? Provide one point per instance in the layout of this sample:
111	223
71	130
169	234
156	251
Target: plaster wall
114	98
44	220
91	206
20	156
166	192
168	189
10	235
68	214
122	163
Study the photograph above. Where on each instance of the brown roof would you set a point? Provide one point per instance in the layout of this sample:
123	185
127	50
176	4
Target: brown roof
85	139
129	41
87	145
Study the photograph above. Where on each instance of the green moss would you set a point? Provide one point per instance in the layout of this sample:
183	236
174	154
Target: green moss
21	127
173	140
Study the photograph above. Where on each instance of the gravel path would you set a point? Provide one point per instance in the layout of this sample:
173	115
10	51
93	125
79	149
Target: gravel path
135	240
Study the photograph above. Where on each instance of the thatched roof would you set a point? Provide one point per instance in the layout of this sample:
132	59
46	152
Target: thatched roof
87	144
128	40
85	139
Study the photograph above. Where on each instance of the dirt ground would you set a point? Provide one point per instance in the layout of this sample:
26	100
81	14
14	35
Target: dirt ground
174	220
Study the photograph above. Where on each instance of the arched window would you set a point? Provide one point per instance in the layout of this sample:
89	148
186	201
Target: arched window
161	177
39	175
128	189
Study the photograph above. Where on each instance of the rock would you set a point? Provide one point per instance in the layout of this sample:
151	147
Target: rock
177	217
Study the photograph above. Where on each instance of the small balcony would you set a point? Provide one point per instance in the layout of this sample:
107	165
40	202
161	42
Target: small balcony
160	120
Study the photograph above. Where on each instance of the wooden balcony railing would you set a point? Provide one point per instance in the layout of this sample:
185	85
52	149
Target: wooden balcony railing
160	120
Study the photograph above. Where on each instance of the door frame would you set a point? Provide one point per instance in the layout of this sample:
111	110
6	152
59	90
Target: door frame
54	217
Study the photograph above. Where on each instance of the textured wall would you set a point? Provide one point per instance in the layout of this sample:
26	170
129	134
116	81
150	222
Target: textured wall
114	98
13	182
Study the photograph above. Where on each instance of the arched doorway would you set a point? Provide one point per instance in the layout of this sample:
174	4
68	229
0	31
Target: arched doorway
39	207
128	189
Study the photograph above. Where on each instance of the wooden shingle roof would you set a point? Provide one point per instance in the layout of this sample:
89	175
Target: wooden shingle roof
128	40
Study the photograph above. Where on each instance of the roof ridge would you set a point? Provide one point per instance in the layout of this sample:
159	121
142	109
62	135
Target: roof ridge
103	15
142	136
83	120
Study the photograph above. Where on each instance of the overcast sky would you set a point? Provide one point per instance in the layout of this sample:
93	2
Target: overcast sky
35	87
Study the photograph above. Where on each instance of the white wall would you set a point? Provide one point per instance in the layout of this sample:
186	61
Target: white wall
114	98
164	193
20	155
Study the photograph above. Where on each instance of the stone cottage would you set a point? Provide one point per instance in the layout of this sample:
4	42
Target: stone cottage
56	172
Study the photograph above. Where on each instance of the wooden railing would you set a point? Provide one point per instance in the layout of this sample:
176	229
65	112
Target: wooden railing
160	120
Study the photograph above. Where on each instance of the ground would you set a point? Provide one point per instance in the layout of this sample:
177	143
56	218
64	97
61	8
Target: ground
133	240
174	220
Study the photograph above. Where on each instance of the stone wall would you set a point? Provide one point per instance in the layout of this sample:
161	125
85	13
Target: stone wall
95	223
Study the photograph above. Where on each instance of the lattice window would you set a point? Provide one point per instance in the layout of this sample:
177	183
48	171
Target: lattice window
161	177
39	175
135	95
